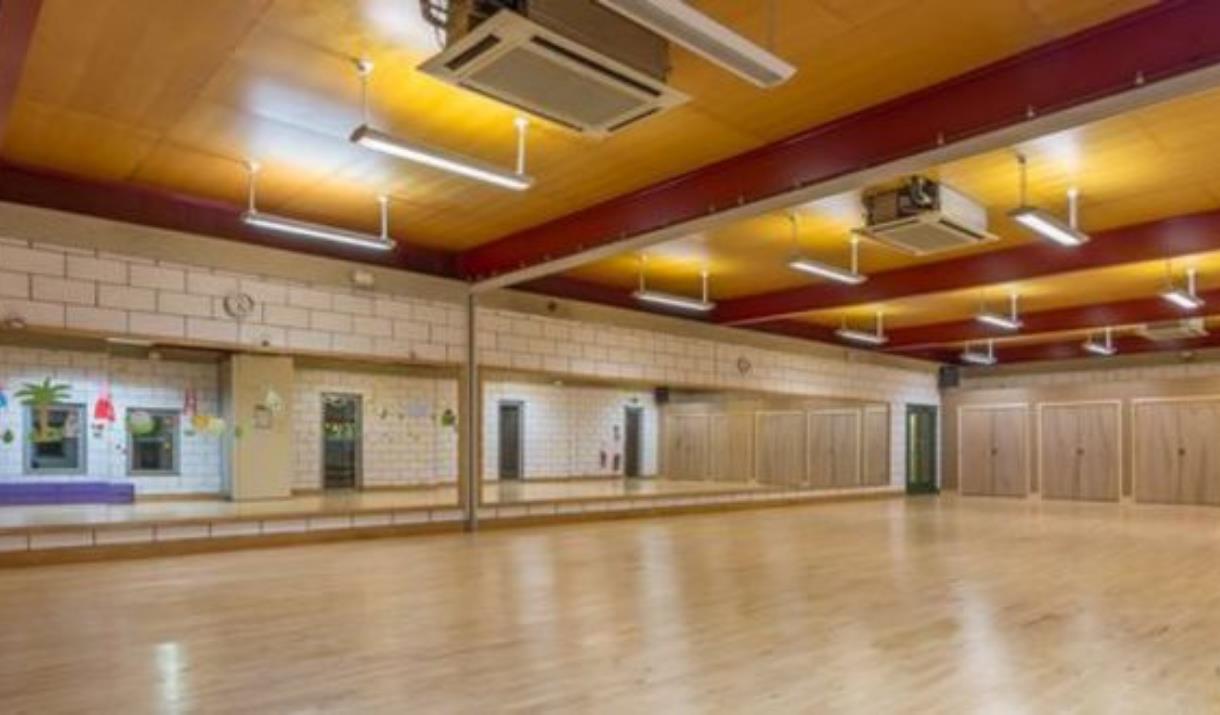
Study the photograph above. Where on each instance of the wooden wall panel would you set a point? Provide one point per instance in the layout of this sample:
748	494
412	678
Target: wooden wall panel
876	449
779	448
993	450
1079	451
834	448
686	446
1176	455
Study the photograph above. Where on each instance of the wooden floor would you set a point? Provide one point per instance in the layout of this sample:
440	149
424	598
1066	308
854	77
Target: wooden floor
349	501
926	605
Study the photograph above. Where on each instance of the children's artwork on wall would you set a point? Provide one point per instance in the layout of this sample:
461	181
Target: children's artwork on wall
103	408
190	402
41	396
264	417
3	398
7	437
448	418
141	423
418	409
273	401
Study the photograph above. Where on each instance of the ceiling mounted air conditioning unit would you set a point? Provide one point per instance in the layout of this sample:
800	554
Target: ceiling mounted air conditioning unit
1173	330
571	62
922	217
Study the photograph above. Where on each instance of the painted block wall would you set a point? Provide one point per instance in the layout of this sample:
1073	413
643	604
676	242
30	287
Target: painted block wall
65	287
403	442
134	383
567	428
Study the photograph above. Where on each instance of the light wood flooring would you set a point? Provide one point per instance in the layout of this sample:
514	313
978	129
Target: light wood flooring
353	501
924	605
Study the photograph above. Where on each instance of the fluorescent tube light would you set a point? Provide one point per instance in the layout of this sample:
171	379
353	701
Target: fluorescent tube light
860	336
1000	321
133	342
1048	226
825	270
1100	348
370	138
1183	299
294	227
673	301
686	26
975	357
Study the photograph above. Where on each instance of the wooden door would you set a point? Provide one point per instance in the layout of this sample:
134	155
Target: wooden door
686	447
731	447
779	448
1200	455
1079	451
821	449
974	451
876	449
1155	444
1009	473
845	454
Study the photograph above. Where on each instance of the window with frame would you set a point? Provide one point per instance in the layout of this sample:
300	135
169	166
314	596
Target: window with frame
152	441
56	439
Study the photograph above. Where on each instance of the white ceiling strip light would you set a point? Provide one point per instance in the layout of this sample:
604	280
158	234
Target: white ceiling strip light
435	157
282	224
875	338
800	262
1043	222
671	300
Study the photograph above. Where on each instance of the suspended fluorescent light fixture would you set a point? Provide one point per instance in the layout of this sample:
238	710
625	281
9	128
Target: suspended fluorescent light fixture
686	26
1185	297
800	262
976	357
1105	347
874	338
435	157
282	224
1046	224
671	300
1012	321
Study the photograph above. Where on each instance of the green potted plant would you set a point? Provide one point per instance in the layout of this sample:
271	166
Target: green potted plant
41	396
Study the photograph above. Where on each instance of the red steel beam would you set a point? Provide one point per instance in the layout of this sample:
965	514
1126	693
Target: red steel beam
17	21
1165	40
1068	349
163	209
1177	236
1099	315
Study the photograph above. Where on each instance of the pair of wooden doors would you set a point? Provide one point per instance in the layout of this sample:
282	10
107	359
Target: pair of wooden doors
1080	450
1176	451
992	450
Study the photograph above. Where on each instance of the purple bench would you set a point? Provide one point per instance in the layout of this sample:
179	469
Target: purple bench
83	492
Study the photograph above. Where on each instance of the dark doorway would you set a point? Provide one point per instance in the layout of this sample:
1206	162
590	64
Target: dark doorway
511	440
340	441
633	435
921	449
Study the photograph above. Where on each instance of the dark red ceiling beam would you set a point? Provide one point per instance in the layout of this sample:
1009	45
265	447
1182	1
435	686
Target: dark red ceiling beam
1069	349
1165	40
163	209
1177	236
1100	315
17	21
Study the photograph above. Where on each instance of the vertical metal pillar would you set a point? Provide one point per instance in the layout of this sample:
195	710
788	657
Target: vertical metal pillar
470	422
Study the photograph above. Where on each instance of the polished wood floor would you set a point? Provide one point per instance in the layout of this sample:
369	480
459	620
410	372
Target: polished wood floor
924	605
523	492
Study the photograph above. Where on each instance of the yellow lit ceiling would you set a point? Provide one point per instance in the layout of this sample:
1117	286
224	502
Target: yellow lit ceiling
175	94
1152	163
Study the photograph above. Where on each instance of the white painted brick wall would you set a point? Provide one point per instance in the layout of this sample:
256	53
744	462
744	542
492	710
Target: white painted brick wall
403	442
567	428
328	319
153	384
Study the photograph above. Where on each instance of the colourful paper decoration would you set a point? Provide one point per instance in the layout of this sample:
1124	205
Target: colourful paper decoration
103	409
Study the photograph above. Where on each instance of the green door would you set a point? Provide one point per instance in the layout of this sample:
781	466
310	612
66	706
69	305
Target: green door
921	450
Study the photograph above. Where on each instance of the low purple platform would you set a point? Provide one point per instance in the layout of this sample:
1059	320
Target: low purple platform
82	492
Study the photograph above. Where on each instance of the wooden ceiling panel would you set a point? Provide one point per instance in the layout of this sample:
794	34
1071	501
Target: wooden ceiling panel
75	142
226	78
